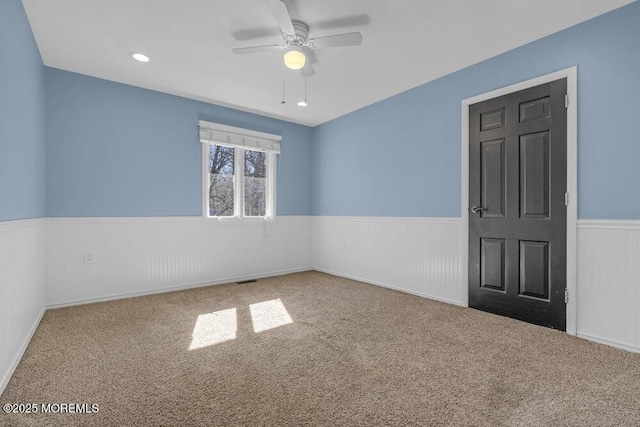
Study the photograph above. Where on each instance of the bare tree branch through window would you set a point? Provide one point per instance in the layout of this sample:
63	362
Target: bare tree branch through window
224	181
221	180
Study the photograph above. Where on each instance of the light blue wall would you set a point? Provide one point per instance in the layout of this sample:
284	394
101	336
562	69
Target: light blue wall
401	156
22	92
118	150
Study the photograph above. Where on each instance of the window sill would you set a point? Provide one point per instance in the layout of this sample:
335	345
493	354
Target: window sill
237	220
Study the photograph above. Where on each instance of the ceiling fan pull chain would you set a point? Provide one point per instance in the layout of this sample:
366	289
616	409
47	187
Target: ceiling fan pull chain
282	85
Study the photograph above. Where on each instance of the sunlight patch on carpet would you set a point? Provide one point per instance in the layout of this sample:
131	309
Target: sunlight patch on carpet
268	315
214	328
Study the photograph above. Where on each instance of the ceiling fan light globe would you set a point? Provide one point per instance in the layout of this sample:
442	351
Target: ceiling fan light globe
294	60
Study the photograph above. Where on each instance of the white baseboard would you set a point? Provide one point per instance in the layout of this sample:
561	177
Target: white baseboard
173	288
395	288
610	343
16	360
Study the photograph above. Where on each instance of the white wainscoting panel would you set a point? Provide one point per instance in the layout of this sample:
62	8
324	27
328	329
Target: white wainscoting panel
609	282
415	255
136	256
22	289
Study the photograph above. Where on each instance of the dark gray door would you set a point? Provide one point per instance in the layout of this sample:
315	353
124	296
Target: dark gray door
518	216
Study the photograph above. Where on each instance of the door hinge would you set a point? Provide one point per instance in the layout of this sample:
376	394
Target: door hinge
566	295
566	199
566	100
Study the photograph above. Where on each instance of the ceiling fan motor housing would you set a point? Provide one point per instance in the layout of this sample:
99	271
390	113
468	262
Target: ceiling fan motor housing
301	36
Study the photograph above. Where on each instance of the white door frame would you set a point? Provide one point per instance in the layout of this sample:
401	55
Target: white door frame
571	75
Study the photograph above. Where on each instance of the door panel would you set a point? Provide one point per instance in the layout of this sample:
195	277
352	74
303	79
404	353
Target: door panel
534	110
492	119
492	269
534	175
534	269
493	160
517	177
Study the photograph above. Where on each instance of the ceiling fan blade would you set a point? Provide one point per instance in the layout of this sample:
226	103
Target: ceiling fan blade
310	54
255	33
281	13
307	70
339	40
346	21
256	49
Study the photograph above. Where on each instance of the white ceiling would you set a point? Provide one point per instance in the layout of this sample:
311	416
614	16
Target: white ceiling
406	43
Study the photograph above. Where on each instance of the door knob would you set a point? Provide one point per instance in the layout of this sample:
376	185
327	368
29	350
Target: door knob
476	209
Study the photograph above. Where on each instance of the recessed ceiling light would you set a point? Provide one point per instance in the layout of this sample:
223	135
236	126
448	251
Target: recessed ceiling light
303	103
140	57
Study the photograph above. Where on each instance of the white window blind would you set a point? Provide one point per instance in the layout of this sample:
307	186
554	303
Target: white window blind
215	133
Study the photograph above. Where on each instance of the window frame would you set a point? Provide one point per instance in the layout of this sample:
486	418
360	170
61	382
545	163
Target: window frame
238	180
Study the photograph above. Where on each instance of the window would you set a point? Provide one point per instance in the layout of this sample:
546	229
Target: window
239	168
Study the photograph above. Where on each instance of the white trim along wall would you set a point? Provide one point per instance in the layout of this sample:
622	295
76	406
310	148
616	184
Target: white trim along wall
571	74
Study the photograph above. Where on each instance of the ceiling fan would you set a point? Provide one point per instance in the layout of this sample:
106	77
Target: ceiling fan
296	39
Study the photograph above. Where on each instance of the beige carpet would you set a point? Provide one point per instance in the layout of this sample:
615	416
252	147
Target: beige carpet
328	351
